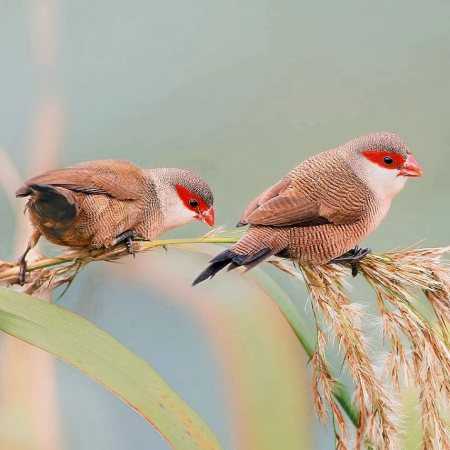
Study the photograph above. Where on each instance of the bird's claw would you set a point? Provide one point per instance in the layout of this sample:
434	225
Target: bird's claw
126	238
129	245
352	257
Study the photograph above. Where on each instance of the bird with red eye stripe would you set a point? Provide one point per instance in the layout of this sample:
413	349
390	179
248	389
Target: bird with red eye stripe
102	203
321	210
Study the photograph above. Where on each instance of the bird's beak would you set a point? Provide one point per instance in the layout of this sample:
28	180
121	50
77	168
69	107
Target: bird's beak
208	216
411	168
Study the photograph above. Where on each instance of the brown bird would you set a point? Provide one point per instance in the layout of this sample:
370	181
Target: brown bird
99	204
324	207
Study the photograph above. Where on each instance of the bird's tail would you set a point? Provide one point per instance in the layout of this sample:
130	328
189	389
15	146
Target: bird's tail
257	245
50	202
232	260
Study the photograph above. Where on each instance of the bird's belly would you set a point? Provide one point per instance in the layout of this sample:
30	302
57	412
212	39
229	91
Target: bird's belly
61	234
321	244
99	221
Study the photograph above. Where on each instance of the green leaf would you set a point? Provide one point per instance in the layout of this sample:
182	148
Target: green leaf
97	354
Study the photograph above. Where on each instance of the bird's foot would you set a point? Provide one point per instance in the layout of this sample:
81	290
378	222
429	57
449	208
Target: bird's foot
22	271
352	257
23	259
126	238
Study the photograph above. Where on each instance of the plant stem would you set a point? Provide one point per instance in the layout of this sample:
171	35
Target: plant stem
12	270
299	326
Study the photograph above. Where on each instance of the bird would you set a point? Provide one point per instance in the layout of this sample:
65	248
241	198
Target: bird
102	203
321	210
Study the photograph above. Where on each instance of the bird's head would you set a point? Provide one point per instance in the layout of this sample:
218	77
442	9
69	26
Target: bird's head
384	161
197	198
184	197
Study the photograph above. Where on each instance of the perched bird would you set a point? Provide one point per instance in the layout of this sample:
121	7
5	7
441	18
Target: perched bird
324	207
99	204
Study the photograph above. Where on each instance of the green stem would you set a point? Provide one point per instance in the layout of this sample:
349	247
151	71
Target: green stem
299	326
12	271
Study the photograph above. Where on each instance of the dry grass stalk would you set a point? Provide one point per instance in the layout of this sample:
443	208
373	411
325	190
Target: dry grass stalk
322	391
418	350
397	277
376	423
49	273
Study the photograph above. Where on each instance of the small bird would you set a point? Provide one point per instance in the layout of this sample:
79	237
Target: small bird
324	207
103	203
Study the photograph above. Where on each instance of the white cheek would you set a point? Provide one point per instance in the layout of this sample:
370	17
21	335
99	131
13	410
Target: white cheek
175	212
385	183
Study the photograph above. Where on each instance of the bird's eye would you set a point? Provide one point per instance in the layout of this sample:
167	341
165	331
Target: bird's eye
193	203
388	160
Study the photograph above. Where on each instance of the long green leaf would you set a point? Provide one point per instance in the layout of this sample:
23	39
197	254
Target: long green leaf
96	353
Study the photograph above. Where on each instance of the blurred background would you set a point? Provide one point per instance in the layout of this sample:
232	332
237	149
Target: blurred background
240	92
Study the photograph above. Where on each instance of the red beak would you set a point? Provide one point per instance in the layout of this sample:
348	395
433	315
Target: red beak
411	168
208	216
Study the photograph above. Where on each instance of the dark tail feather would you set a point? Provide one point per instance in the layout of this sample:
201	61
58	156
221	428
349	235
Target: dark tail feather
52	202
234	259
27	189
210	271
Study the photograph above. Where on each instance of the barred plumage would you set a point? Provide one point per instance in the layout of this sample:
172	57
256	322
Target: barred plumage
101	203
326	205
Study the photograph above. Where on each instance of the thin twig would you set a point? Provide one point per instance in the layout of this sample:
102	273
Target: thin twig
9	271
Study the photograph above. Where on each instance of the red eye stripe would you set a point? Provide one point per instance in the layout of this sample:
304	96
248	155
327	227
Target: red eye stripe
186	195
378	157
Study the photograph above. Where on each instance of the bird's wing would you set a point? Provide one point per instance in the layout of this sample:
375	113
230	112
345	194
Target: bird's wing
283	205
263	198
118	179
